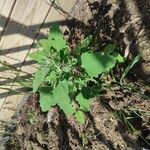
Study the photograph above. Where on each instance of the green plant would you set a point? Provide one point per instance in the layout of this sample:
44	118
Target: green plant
68	78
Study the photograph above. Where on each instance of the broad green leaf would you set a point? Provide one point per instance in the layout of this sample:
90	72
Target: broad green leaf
110	48
85	103
95	64
118	57
64	83
56	38
72	87
46	99
51	77
45	45
54	42
135	60
39	78
80	116
60	94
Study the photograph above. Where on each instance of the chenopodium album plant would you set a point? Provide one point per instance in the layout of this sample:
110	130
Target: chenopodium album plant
67	78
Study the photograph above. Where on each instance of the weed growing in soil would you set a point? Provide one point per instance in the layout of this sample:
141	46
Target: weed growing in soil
68	78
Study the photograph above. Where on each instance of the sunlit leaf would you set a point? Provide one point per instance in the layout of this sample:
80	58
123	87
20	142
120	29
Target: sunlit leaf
95	64
56	39
46	99
39	78
85	103
60	94
51	77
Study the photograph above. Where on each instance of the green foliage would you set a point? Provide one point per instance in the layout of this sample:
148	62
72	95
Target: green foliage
84	103
68	78
62	98
46	99
39	78
95	64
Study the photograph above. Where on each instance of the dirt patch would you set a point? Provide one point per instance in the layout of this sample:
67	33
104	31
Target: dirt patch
34	131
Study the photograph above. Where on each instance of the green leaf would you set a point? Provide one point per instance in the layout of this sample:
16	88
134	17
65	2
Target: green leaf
95	64
46	99
51	77
135	60
45	45
60	94
39	78
84	103
56	39
80	116
110	48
